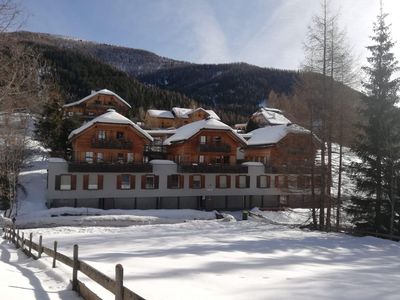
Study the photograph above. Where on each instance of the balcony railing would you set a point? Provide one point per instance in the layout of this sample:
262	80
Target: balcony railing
154	148
212	168
111	144
214	148
108	167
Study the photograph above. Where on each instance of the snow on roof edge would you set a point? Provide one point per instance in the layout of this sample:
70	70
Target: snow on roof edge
103	91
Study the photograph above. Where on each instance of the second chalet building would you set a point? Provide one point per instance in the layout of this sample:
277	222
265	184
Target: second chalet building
205	165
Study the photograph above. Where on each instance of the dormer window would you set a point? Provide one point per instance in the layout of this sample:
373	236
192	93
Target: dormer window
203	139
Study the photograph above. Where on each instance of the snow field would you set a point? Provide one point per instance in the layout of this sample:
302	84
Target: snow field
235	260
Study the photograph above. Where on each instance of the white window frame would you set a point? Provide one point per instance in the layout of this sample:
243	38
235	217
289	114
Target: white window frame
89	157
127	184
65	186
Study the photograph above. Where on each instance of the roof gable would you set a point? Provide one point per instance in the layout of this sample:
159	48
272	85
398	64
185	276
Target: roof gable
110	117
187	131
101	92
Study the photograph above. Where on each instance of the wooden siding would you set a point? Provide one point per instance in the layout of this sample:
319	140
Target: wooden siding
188	152
97	105
86	142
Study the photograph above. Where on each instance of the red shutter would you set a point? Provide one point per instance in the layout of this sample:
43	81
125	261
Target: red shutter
182	182
202	181
156	181
143	182
228	181
247	181
237	181
277	181
100	180
58	182
85	182
119	181
169	181
191	181
268	181
73	182
258	180
133	182
217	182
286	181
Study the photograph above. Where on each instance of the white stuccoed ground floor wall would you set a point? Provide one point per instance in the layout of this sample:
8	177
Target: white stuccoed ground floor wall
208	198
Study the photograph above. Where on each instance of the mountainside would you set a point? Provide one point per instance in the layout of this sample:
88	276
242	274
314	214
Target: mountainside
236	87
234	90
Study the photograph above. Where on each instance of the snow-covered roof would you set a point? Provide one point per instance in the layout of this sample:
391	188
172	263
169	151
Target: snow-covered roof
273	116
188	130
273	134
103	92
160	113
183	113
57	160
161	131
110	117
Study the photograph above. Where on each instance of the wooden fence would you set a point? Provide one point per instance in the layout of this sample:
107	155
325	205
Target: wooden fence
115	286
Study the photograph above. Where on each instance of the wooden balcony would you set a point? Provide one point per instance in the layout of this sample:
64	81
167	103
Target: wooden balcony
212	168
111	144
214	148
109	167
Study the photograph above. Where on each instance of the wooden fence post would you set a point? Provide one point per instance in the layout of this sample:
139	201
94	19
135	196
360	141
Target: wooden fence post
23	241
17	244
30	244
55	254
75	270
13	235
40	247
119	282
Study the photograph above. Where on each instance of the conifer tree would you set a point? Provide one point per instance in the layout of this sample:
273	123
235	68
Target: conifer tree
379	140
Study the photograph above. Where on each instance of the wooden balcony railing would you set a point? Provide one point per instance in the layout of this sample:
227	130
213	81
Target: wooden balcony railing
111	144
212	168
214	148
108	167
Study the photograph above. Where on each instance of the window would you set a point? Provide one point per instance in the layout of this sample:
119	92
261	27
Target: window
223	181
263	181
100	157
283	199
101	135
149	182
129	157
65	182
203	139
175	181
201	159
242	181
97	102
120	157
217	139
120	135
92	182
292	182
89	157
70	113
196	181
125	182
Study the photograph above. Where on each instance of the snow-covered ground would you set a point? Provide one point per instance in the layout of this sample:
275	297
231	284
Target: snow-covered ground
235	260
24	278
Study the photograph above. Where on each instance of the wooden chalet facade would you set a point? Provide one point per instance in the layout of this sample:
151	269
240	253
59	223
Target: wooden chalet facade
109	138
204	142
96	104
282	148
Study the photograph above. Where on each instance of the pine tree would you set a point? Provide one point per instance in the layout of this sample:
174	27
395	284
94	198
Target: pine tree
379	140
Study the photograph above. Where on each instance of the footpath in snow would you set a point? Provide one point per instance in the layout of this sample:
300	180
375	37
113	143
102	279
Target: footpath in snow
25	278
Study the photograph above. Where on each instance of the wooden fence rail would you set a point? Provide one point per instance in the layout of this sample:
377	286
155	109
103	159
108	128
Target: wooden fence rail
115	286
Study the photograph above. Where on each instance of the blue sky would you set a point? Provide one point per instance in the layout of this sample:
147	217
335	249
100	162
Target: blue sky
267	33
